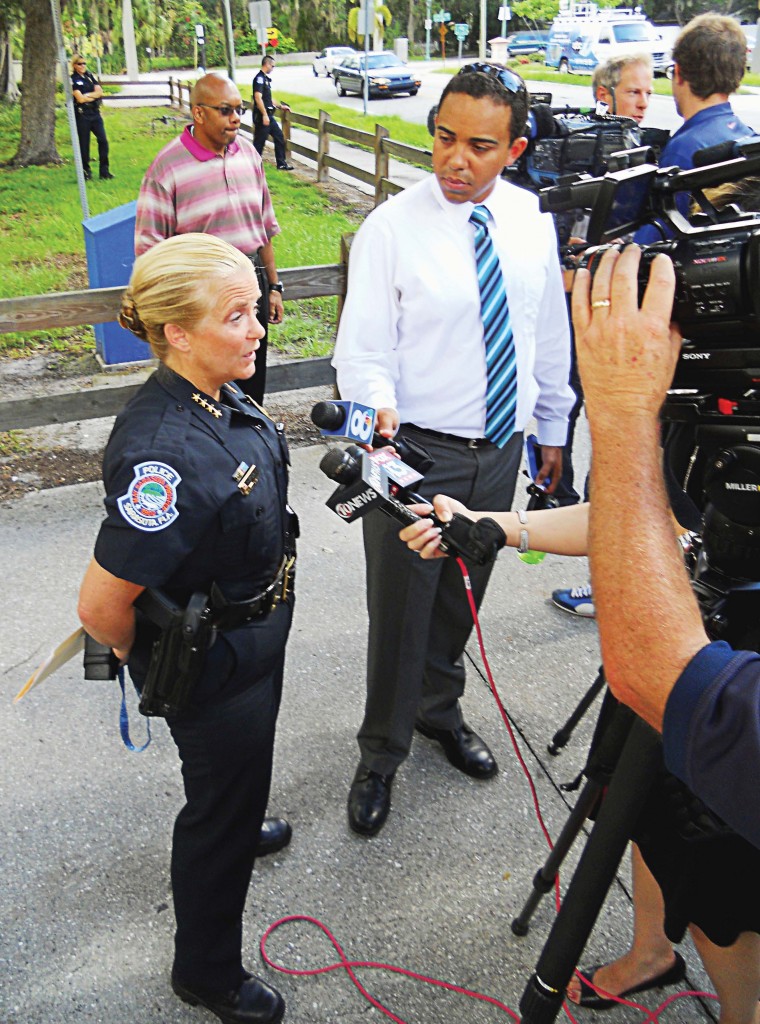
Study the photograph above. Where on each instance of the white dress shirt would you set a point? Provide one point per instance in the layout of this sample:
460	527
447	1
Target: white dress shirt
411	334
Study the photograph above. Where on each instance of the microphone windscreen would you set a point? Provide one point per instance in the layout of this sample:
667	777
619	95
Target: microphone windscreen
715	154
328	415
546	126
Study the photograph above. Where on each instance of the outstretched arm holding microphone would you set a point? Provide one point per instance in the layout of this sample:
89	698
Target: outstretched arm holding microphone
704	697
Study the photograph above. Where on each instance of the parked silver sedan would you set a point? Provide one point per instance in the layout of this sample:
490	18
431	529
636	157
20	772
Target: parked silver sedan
326	61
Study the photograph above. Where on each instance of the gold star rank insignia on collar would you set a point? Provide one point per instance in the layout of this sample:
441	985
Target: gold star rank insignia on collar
205	404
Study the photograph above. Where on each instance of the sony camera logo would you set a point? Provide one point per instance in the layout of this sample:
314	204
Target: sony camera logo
696	355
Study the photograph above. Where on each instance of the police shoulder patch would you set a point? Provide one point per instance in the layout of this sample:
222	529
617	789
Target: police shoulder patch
149	503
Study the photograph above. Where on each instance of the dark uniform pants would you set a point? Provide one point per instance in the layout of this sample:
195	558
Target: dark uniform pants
226	749
86	125
263	131
255	386
419	616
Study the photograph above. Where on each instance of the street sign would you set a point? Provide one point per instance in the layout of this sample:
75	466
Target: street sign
366	17
504	14
200	33
260	14
461	31
441	16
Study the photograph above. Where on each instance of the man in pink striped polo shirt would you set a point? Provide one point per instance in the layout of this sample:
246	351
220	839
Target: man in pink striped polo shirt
210	180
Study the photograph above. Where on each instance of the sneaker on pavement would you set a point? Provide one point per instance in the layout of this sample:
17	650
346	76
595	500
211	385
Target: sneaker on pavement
578	601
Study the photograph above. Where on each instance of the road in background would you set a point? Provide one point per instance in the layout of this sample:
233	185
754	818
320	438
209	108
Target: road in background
300	79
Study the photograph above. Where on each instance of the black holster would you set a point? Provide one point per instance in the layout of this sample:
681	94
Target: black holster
178	655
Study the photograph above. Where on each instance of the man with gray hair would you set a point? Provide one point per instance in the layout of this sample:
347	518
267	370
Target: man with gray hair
624	85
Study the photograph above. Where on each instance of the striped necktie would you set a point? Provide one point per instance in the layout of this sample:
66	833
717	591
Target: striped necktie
501	369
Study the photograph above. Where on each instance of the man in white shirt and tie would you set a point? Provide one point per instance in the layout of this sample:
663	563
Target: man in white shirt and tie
457	357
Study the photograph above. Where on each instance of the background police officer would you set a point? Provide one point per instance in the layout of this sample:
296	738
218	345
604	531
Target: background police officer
87	96
264	121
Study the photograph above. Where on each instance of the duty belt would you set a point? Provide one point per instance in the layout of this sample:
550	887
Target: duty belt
224	614
227	614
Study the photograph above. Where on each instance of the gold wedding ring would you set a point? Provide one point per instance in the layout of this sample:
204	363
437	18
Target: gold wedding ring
601	303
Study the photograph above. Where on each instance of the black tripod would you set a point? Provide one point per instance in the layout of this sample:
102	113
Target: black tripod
610	736
563	734
619	811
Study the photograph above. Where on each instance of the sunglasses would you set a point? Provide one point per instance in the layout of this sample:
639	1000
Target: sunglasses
511	81
80	64
224	109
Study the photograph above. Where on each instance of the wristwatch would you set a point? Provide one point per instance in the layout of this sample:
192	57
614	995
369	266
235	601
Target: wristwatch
276	287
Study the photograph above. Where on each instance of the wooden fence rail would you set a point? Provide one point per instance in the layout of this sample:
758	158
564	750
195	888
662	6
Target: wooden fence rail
100	305
71	309
325	128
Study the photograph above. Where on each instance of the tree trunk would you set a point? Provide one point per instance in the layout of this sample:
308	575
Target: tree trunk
37	145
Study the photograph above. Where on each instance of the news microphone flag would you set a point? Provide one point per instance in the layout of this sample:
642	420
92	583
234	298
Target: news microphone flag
350	421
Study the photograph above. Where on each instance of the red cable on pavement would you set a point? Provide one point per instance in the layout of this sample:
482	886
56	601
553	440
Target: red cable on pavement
349	966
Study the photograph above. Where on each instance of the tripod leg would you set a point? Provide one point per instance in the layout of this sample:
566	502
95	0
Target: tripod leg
544	878
545	992
562	736
610	736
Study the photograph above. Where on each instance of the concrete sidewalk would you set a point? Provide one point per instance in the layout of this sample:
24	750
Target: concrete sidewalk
86	922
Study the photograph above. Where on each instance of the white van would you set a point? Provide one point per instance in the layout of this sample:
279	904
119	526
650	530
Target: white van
583	36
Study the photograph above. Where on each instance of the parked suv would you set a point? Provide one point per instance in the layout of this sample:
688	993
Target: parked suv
526	42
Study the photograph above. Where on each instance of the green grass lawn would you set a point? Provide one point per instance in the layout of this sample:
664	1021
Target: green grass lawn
42	241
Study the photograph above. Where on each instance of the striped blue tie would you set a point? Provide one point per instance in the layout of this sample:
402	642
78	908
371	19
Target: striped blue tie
501	369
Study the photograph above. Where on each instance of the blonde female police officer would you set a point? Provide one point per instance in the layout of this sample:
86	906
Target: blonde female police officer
196	480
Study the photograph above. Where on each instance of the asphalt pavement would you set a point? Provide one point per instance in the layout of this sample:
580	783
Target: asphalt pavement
85	917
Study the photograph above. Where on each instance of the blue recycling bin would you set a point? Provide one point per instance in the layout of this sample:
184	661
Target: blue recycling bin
109	242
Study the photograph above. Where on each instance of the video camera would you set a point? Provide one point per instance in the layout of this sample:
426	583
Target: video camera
716	258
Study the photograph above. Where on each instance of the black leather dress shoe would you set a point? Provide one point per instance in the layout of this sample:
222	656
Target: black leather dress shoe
87	176
107	176
253	1003
369	801
275	835
464	749
285	167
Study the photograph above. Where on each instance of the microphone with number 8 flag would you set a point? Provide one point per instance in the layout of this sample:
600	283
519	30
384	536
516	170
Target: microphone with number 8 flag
349	421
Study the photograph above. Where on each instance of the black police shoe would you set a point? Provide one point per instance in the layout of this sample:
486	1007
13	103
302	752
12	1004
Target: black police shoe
253	1003
464	749
88	176
107	176
285	167
275	835
369	801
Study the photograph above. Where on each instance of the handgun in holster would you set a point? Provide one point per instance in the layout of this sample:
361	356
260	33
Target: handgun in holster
178	655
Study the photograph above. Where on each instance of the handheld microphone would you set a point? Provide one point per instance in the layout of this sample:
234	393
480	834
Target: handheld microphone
350	421
336	419
364	483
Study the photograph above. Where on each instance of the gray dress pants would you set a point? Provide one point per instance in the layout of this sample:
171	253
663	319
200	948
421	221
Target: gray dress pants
419	616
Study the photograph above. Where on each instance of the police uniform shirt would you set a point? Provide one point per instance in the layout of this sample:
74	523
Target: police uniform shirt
85	83
180	512
263	83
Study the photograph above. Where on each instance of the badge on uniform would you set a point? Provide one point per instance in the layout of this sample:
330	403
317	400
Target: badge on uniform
149	503
246	478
